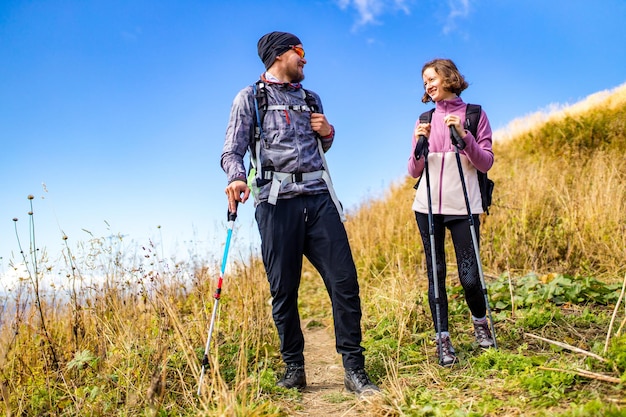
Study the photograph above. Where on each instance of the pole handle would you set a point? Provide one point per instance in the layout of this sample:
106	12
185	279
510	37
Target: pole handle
232	216
456	139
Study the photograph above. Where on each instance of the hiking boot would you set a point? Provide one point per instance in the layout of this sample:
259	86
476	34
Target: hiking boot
448	355
294	377
357	381
483	335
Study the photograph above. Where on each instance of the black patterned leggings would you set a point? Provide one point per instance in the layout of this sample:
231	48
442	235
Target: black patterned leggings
465	259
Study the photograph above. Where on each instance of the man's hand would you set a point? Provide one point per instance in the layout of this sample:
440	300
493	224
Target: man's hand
320	125
236	191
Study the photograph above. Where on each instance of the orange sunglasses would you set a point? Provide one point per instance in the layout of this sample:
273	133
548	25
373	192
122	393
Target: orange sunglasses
298	50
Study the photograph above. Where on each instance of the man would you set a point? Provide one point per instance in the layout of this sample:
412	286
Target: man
297	211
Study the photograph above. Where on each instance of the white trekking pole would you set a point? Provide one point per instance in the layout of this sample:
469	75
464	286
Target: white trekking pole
205	360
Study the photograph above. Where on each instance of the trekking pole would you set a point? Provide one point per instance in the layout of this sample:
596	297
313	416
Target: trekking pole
459	144
433	257
205	360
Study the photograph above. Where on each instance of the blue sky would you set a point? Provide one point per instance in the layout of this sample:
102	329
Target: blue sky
113	113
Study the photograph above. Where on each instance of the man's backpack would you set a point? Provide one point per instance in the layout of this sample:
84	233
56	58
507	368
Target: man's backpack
257	177
472	116
260	96
259	90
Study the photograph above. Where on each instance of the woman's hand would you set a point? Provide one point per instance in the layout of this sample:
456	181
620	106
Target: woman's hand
422	129
453	120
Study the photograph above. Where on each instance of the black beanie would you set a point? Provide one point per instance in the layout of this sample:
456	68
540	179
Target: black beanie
274	44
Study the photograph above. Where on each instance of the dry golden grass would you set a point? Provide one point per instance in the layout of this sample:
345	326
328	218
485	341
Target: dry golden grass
610	99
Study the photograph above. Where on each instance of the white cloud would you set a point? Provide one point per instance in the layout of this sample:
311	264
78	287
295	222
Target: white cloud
370	10
458	9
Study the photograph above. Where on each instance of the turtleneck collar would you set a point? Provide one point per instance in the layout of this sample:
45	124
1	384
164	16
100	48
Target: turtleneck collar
448	104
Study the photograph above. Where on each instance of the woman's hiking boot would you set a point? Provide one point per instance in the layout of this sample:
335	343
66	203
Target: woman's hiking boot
294	377
357	381
483	334
448	355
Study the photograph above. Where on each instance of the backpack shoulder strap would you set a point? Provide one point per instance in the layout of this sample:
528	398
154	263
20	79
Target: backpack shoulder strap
427	116
486	185
472	117
260	107
260	102
310	101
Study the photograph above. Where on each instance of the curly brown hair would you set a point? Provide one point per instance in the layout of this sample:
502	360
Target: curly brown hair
453	80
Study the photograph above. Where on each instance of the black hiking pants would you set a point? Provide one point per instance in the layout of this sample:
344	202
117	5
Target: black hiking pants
310	226
465	259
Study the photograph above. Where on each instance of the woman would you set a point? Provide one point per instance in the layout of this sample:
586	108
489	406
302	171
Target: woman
443	84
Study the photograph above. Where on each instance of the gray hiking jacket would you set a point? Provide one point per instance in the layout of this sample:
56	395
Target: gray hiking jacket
288	143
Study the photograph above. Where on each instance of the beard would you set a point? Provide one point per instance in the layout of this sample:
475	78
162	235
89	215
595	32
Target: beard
296	75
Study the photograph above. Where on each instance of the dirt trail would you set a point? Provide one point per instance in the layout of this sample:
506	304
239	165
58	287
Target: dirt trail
325	394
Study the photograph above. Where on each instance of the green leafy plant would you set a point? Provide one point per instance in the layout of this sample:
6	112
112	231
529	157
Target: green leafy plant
558	289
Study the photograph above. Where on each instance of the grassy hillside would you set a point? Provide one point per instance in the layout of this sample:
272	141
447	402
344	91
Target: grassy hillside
562	201
553	251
